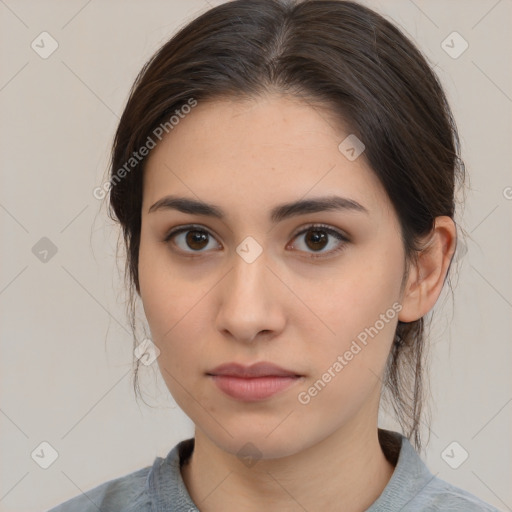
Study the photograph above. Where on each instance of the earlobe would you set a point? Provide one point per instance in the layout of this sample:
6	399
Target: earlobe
427	274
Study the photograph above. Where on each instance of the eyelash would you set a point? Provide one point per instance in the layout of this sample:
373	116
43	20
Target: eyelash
320	227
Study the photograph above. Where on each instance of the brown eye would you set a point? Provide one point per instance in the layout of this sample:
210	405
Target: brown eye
318	237
190	239
196	240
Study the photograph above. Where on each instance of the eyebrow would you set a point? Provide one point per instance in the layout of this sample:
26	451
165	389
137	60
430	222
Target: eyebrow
277	214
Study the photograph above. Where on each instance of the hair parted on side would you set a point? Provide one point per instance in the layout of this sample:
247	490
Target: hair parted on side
336	54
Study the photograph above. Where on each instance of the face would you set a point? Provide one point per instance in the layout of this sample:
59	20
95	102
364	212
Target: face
316	292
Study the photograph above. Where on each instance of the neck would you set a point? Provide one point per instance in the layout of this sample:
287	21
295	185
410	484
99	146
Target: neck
345	471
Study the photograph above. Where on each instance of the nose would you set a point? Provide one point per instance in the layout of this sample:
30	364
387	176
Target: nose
250	303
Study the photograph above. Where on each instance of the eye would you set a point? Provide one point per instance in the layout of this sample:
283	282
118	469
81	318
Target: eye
318	238
193	237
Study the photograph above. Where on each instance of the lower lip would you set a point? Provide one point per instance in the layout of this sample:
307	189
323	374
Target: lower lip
252	389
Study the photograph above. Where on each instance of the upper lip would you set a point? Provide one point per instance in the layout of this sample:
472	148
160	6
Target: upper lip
261	369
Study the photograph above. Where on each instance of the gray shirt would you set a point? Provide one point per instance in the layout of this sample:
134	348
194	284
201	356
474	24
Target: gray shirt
160	487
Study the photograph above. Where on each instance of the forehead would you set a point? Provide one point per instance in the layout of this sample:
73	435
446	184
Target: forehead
259	149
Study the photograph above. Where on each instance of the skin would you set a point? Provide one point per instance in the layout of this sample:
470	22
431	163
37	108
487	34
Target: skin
285	307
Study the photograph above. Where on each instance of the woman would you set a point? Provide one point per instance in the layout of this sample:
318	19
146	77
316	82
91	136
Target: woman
284	175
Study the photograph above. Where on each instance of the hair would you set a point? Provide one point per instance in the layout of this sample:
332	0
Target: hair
336	54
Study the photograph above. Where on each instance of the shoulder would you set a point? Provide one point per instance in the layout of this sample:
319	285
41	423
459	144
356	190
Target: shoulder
156	487
127	493
439	495
414	488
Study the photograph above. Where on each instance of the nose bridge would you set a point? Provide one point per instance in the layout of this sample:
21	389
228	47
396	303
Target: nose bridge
249	277
247	305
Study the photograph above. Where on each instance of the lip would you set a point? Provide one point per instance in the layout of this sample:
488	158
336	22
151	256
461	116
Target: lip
252	383
261	369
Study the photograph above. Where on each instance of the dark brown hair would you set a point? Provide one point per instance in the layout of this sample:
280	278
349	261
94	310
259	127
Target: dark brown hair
334	53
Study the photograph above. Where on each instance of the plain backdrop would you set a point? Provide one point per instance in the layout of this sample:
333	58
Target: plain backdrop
66	349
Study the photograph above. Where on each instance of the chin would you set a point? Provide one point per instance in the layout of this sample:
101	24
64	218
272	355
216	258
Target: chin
260	442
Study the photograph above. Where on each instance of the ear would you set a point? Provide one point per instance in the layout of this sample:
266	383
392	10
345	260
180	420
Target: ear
428	273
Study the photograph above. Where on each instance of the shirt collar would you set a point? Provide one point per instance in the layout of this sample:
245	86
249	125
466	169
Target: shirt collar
410	477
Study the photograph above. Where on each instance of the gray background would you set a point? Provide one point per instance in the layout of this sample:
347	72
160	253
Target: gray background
66	347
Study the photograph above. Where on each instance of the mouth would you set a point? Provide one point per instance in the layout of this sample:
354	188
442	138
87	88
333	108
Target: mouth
252	383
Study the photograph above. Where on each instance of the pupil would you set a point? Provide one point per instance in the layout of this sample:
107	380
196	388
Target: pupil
197	237
317	237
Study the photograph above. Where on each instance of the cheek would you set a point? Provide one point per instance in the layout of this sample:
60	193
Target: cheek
164	300
348	367
176	309
164	292
358	295
177	328
175	313
359	314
